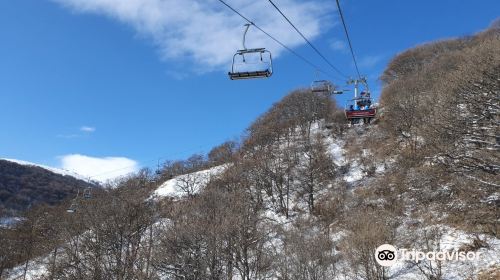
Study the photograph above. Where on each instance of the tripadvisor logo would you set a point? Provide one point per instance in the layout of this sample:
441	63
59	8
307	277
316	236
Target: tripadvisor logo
388	255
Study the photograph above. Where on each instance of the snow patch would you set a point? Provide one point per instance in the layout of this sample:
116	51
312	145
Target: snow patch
186	184
36	269
336	148
355	173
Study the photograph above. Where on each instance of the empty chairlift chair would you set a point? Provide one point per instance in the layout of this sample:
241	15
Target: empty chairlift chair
251	63
251	70
74	205
72	208
87	193
323	86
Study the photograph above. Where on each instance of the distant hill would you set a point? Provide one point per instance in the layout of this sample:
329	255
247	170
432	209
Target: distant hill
23	184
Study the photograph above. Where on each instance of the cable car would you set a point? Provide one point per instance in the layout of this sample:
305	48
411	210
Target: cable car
251	63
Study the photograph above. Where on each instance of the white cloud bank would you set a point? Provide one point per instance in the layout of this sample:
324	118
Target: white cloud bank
207	32
100	169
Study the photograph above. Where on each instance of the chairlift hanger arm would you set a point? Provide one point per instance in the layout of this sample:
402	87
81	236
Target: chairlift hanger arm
247	26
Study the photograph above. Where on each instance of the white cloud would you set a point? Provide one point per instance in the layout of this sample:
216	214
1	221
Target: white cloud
338	45
207	32
88	129
100	169
370	61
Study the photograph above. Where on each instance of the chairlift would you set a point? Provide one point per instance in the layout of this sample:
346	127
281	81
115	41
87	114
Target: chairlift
324	86
87	193
158	170
72	208
360	107
243	67
73	205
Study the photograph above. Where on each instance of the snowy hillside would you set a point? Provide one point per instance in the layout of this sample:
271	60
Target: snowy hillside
357	176
450	239
51	169
24	185
187	184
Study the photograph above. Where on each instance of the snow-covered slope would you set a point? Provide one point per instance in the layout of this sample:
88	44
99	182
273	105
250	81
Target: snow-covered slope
188	184
51	169
356	177
453	240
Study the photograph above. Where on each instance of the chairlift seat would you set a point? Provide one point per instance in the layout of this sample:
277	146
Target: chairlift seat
360	114
352	113
250	75
72	208
245	51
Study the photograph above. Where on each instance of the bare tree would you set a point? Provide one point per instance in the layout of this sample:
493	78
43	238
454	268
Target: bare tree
316	170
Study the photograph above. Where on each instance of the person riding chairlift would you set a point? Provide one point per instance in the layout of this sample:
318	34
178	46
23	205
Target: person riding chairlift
365	101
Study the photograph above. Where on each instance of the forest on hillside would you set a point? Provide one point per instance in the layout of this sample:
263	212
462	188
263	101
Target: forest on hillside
303	195
24	186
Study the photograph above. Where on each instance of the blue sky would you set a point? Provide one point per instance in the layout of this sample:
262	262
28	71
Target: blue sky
142	79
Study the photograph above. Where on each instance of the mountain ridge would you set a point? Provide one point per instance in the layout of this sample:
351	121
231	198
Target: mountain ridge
56	170
24	185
